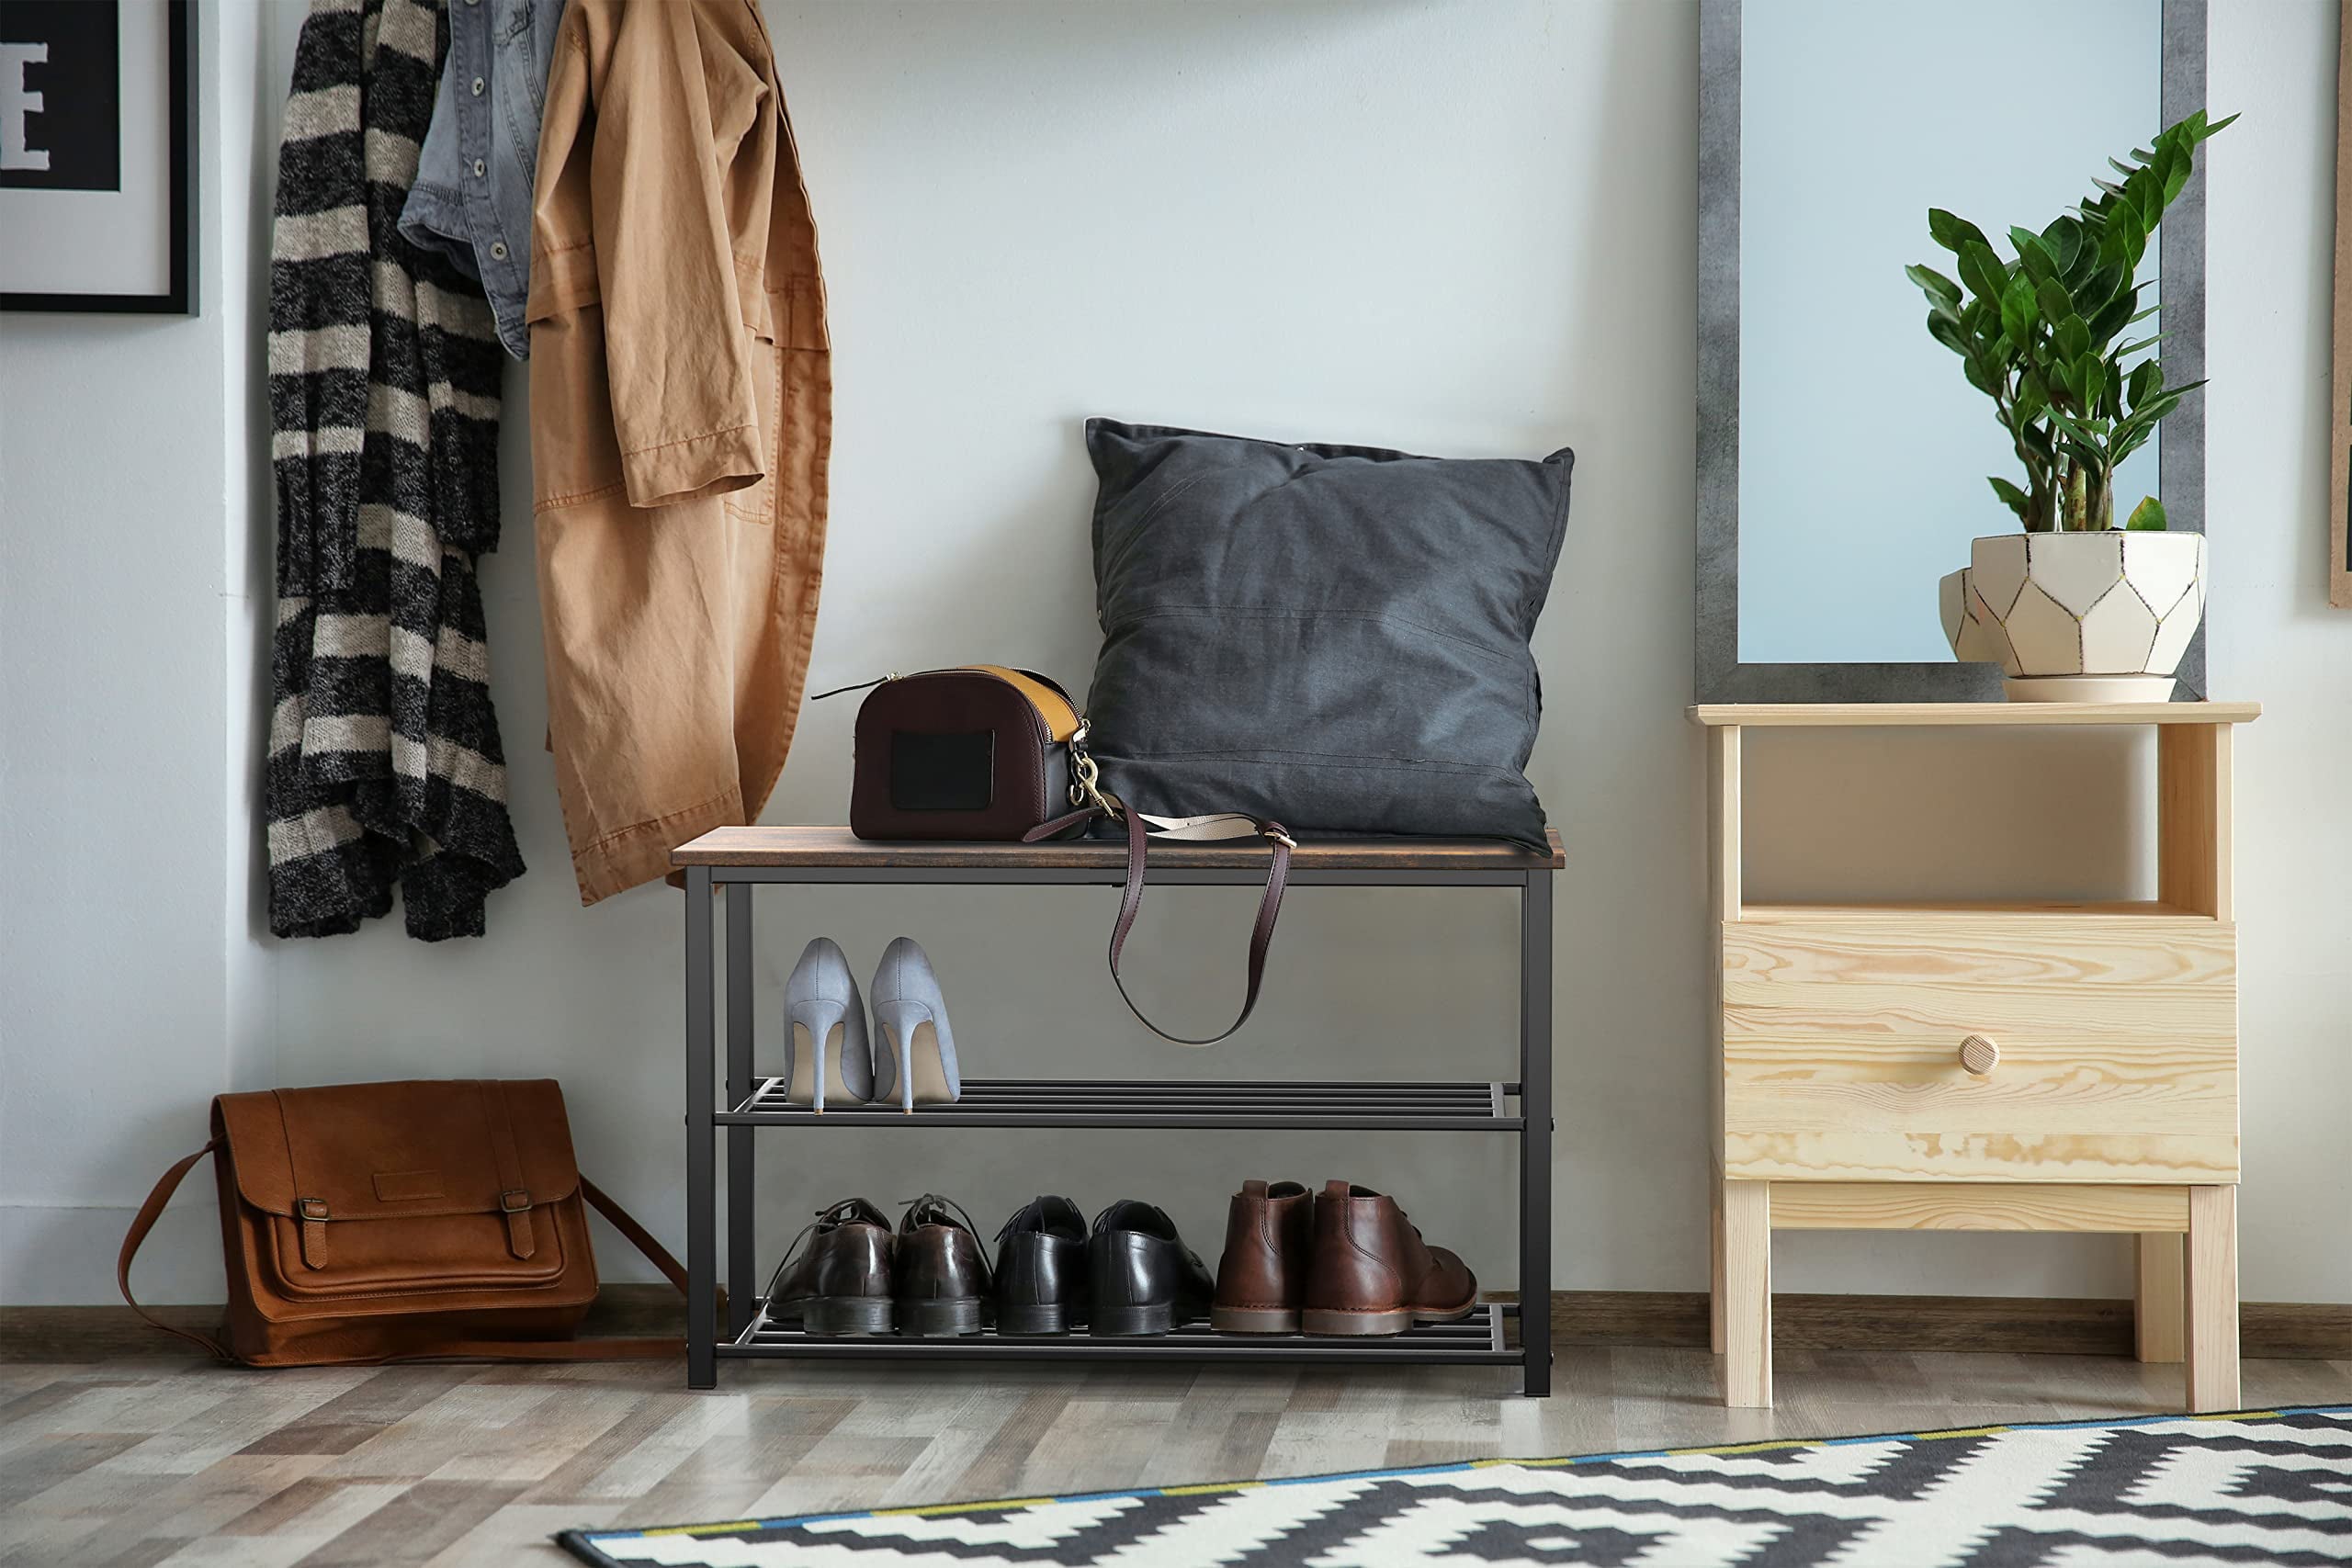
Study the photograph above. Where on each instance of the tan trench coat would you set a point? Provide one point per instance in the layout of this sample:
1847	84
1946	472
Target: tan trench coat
681	417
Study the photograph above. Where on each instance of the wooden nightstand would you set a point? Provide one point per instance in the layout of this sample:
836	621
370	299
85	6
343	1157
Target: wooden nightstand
1970	1066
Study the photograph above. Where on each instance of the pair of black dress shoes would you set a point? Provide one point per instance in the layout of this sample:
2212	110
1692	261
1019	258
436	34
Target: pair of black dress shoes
1130	1273
856	1275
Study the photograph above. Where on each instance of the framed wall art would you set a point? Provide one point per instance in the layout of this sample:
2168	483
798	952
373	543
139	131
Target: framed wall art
2339	411
98	156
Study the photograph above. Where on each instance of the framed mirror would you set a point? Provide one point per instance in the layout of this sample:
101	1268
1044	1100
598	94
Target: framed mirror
2339	462
1843	456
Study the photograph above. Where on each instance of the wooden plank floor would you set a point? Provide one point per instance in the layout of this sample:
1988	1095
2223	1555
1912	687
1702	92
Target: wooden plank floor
146	1462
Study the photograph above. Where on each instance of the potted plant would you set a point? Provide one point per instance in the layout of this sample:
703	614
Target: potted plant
2073	608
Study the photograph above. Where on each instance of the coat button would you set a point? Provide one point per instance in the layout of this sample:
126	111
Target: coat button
498	250
478	86
480	168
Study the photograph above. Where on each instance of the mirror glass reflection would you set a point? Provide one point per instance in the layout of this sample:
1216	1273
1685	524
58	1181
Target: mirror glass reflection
1864	451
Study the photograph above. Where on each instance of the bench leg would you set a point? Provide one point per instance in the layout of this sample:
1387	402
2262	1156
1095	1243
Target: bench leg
1715	1266
2213	1299
1747	1293
2160	1303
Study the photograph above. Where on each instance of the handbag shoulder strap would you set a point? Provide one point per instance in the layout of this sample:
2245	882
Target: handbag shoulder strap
1142	826
508	1350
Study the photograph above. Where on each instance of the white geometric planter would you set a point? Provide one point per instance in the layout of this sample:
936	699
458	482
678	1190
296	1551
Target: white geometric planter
2078	617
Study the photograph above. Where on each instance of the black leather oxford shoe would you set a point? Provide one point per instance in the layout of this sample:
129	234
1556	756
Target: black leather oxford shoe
1141	1277
839	1282
1041	1269
942	1270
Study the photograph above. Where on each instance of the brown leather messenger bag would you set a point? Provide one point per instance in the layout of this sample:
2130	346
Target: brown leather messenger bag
402	1221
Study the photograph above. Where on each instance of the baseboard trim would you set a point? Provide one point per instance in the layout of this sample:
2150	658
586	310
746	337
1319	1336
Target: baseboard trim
1666	1319
101	1332
2058	1325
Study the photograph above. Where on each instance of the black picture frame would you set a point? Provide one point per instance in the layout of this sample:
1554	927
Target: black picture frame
179	299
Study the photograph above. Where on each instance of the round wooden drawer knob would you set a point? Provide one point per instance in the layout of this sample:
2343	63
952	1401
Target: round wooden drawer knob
1979	1055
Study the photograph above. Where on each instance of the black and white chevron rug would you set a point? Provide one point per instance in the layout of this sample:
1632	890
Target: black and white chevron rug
2270	1486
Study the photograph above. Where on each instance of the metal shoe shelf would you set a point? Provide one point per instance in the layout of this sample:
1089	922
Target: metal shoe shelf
740	859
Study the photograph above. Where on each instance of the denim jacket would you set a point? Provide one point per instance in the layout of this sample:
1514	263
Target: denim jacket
472	196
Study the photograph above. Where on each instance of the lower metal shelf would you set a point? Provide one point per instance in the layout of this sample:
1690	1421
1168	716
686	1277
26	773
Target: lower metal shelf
1361	1105
1477	1338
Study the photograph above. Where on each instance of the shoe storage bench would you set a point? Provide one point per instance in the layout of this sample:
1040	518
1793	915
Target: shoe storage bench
740	859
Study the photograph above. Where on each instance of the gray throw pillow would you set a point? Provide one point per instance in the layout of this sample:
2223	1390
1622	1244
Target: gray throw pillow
1333	636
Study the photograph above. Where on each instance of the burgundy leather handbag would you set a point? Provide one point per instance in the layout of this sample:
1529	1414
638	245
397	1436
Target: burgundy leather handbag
984	751
988	752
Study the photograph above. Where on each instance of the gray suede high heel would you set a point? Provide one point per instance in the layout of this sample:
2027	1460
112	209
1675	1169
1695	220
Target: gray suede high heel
827	1053
914	1053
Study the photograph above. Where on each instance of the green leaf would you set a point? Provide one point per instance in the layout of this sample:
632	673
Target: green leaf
2148	517
2014	499
2074	337
2135	246
2148	380
1982	271
2109	323
2034	257
2060	418
2175	172
2030	401
1945	331
2114	242
2098	292
2056	302
1942	291
2017	310
2137	344
1954	234
2064	240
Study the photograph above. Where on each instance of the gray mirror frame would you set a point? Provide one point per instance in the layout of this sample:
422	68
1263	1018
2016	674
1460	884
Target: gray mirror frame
1719	675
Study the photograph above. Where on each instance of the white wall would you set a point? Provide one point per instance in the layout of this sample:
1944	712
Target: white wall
1461	228
127	473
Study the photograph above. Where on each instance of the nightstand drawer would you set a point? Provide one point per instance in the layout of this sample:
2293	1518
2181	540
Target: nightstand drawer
2109	1044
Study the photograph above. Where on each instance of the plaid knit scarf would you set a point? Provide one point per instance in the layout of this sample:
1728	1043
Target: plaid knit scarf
384	763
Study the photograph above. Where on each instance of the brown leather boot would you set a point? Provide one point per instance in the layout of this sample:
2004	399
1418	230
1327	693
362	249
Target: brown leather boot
1269	1234
1370	1273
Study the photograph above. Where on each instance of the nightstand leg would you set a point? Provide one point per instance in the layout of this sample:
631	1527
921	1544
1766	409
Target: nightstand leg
2160	1303
2213	1298
1715	1266
1747	1294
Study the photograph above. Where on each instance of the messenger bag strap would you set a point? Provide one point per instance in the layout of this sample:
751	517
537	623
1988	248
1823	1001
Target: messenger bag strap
1141	827
638	1236
143	1222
